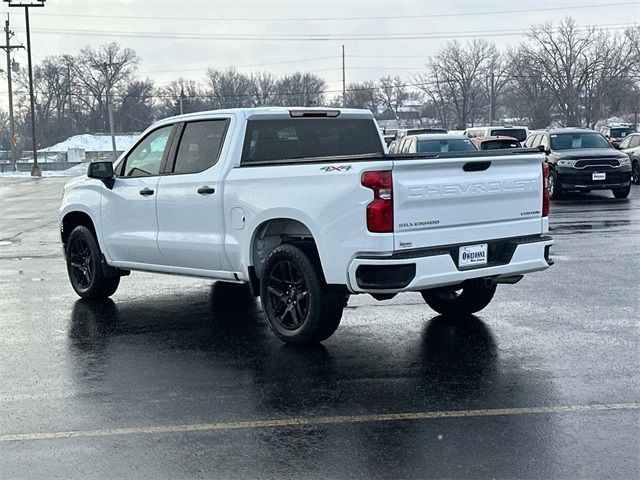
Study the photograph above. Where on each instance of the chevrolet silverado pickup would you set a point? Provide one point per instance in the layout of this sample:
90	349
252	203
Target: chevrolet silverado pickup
307	207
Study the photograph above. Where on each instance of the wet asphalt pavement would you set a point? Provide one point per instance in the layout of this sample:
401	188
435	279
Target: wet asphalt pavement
181	378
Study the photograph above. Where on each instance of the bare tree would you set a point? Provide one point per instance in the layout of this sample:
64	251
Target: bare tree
527	93
101	72
262	89
362	95
392	93
136	110
301	89
190	93
228	88
461	70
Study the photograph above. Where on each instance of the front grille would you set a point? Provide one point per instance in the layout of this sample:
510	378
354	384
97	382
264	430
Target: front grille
597	162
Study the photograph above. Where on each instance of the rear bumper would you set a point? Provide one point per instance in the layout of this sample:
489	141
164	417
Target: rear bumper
420	270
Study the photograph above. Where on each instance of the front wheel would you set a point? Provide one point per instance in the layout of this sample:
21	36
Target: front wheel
622	193
459	300
84	266
299	306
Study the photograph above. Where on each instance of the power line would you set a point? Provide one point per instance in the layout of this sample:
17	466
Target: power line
300	60
333	19
317	37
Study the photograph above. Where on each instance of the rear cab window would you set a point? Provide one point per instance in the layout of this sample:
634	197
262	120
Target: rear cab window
273	140
519	134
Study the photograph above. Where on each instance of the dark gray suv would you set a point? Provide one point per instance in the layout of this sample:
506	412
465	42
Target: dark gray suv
582	160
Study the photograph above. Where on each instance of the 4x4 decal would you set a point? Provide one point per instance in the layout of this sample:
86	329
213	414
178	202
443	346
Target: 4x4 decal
337	168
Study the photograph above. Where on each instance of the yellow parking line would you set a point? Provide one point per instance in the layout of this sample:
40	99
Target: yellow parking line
291	422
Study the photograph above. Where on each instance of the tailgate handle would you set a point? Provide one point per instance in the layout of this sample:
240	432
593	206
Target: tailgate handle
476	166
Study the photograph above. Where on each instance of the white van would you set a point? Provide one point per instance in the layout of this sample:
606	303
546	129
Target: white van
517	132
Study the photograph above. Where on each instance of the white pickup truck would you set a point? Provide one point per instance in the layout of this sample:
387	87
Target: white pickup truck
307	207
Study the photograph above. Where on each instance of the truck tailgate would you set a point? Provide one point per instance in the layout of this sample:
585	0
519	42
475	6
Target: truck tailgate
448	201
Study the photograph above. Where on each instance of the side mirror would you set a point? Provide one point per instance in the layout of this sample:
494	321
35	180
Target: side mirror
616	145
102	171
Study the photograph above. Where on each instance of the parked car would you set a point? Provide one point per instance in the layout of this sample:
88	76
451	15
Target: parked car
305	207
582	160
403	132
519	133
436	143
631	146
495	143
616	133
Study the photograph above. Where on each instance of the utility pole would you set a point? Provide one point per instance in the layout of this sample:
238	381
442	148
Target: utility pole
344	81
36	171
12	125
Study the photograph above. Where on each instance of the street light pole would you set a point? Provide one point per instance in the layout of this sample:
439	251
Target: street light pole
36	171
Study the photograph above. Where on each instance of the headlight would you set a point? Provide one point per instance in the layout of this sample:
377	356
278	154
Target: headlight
566	163
625	162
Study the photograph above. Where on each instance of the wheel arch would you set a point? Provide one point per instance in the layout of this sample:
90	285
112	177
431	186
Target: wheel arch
278	231
75	219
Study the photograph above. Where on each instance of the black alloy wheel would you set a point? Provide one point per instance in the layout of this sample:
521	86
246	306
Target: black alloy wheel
635	172
81	263
288	295
298	304
84	266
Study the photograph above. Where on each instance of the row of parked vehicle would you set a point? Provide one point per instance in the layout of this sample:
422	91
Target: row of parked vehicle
579	159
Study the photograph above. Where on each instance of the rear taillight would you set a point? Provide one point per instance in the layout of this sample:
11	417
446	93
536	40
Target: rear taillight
545	189
380	211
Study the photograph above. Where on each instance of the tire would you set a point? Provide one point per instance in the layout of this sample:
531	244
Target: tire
299	306
553	186
84	266
635	172
622	193
463	300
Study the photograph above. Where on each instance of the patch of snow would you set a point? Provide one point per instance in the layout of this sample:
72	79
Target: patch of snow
93	143
80	169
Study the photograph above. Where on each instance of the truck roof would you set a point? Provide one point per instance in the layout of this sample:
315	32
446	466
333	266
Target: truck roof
277	112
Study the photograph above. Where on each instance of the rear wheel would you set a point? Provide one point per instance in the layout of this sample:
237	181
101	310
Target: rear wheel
622	193
84	266
463	299
298	304
552	185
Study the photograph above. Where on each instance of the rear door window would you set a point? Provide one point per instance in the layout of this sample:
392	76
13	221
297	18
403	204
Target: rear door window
200	145
290	139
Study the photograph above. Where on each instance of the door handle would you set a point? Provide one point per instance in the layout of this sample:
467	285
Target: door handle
206	190
145	192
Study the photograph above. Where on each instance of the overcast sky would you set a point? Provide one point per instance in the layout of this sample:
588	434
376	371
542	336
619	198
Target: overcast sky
183	38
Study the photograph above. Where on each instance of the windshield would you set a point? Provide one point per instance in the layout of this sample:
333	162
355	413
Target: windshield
573	141
499	144
620	132
455	145
519	134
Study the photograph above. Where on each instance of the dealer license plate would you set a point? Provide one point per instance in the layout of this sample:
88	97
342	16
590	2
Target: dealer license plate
599	176
472	255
